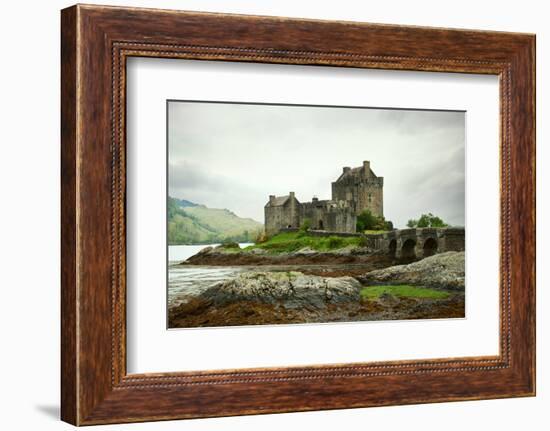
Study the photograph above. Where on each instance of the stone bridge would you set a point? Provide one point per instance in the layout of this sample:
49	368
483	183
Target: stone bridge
406	243
419	242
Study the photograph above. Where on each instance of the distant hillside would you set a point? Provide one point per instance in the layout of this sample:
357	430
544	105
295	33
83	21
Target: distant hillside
190	223
184	203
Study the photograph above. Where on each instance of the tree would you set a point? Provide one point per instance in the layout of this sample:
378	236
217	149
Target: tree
427	220
368	221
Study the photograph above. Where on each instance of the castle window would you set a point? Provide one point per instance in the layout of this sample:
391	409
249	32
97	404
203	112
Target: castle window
370	198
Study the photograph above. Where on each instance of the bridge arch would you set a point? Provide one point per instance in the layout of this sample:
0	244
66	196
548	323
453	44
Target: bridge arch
407	249
392	248
429	247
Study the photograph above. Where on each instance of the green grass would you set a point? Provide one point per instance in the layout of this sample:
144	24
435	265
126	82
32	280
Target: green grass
372	232
293	241
403	291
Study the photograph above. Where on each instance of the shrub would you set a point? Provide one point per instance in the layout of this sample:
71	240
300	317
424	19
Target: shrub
334	242
305	225
364	241
261	237
368	221
230	244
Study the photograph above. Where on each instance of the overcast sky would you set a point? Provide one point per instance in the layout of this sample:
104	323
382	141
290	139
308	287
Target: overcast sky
235	155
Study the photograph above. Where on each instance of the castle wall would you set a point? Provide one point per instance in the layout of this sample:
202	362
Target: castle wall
341	220
275	219
284	216
370	197
313	211
361	189
327	215
356	190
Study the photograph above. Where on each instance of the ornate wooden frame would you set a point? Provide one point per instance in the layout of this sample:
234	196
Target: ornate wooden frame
95	43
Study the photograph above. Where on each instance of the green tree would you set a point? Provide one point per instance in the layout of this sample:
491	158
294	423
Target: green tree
427	220
368	221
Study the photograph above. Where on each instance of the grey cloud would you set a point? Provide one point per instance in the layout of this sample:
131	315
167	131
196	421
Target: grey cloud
235	155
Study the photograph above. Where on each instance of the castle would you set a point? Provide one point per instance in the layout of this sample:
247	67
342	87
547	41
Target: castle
355	190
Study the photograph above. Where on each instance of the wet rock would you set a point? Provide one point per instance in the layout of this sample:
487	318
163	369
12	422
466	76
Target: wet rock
228	254
256	251
387	299
291	290
345	251
444	271
205	251
305	251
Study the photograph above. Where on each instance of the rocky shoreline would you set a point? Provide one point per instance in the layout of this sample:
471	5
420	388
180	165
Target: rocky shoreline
268	297
222	256
441	271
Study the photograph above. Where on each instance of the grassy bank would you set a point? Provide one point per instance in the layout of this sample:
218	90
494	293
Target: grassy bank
403	291
374	232
293	241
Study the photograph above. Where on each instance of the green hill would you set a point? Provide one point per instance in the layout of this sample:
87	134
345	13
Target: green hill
185	203
190	223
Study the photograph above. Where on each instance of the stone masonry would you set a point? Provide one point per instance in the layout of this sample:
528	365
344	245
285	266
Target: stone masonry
361	188
355	190
419	242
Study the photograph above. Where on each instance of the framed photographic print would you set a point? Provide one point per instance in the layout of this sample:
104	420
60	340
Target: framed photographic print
265	214
322	260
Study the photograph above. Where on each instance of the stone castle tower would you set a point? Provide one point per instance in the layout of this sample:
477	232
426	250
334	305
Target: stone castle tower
361	188
355	190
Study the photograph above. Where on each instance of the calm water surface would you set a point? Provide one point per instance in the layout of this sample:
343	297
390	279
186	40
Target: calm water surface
186	281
